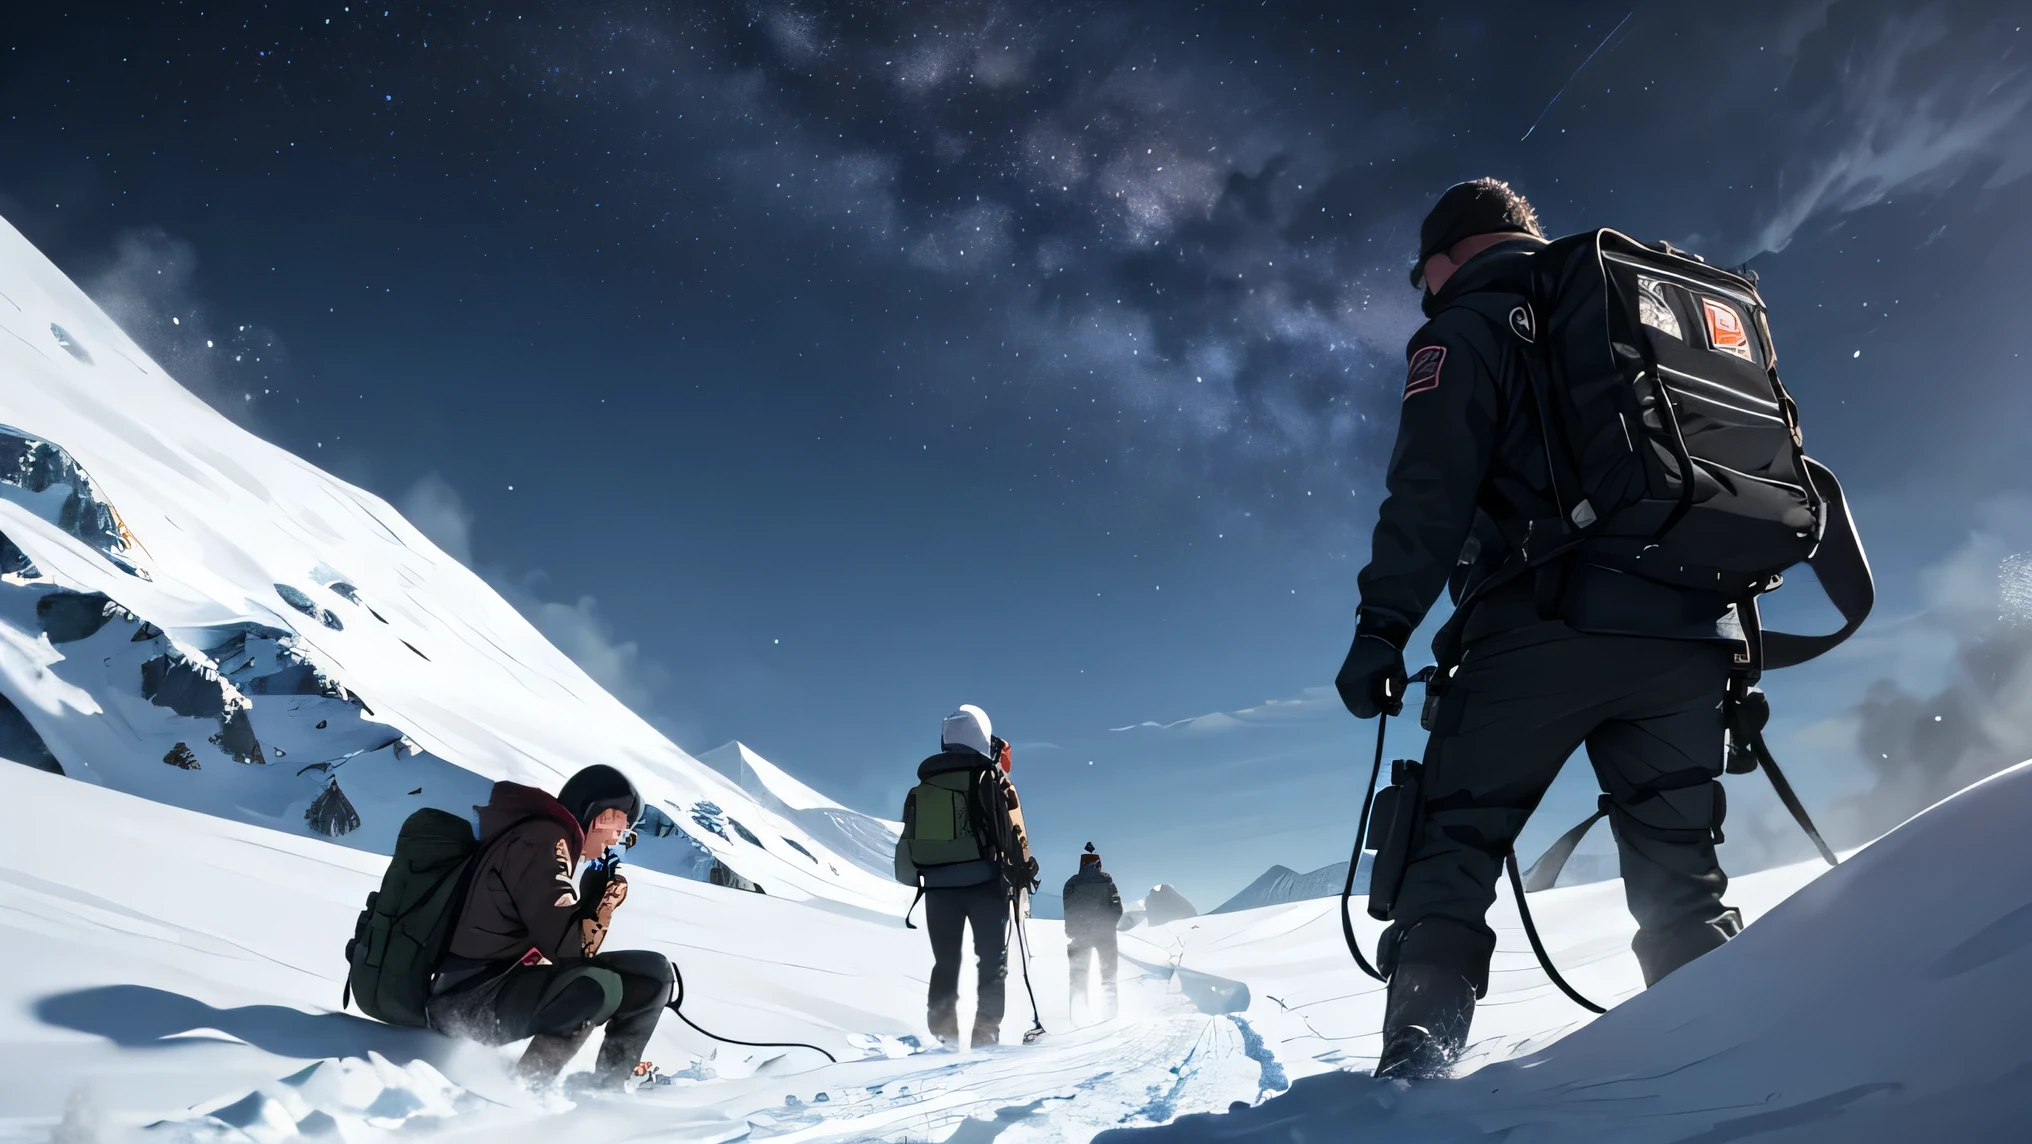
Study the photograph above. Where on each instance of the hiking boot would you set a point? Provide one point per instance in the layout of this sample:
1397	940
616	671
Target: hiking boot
546	1057
945	1025
621	1052
1660	951
1413	1053
987	1033
1425	1022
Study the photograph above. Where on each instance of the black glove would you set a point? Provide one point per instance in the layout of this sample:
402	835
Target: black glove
1372	680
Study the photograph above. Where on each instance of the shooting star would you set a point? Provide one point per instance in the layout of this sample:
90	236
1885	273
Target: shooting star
1576	72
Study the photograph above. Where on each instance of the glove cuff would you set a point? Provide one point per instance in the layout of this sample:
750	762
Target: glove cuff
1378	624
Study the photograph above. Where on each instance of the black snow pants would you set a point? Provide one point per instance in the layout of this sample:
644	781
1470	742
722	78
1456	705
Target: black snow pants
984	907
559	1006
1649	712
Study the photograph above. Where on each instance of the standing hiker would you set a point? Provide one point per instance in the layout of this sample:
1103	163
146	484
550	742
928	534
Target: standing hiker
964	847
1520	481
525	958
1093	908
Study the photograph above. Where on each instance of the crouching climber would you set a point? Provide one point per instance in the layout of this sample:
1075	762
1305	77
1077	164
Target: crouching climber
524	959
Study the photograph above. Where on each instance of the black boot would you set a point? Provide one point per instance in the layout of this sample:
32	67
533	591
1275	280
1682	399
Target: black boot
1660	951
627	1039
945	1023
1425	1022
546	1057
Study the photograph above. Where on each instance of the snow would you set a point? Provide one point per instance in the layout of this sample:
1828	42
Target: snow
174	933
1884	1001
359	648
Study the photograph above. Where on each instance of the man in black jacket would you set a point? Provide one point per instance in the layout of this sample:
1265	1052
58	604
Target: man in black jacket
1570	655
1093	908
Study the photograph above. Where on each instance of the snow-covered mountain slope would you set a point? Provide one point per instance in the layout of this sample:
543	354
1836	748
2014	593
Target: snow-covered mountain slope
194	615
862	839
1280	885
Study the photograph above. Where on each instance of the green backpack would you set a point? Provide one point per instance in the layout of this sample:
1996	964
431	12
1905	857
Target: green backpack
938	822
406	928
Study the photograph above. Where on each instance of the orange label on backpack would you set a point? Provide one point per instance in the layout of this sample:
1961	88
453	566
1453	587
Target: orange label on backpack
1725	329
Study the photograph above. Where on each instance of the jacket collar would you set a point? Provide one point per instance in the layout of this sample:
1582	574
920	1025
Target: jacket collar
511	804
953	759
1491	268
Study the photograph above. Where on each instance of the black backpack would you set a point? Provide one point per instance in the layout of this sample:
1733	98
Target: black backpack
403	933
1675	450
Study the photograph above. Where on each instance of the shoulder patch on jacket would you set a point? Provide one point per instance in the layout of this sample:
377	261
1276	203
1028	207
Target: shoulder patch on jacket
1424	372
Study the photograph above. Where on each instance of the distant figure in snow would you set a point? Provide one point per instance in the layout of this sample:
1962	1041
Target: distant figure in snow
525	958
1093	908
964	847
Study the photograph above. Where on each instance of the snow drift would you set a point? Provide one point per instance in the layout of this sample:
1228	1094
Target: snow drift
1883	1002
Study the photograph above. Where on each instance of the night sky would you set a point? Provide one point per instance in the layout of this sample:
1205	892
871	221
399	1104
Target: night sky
805	370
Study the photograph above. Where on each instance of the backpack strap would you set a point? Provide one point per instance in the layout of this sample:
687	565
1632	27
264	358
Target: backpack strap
1544	872
907	923
1843	570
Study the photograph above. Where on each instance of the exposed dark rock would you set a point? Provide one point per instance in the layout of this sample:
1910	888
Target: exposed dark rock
145	632
331	813
67	617
410	646
14	562
341	588
743	831
293	679
792	843
176	683
236	738
655	823
180	756
233	640
38	466
296	598
20	741
722	874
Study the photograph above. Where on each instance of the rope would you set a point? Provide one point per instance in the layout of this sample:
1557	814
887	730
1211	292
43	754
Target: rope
1538	947
677	1006
1355	859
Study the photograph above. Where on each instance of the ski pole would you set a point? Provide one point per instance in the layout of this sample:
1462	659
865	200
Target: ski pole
1023	946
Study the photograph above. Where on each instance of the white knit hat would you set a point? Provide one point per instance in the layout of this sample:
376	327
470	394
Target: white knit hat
967	727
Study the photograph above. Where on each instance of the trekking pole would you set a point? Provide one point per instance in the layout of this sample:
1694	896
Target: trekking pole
1023	945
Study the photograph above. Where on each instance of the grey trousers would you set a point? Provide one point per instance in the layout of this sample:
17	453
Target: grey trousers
1649	712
